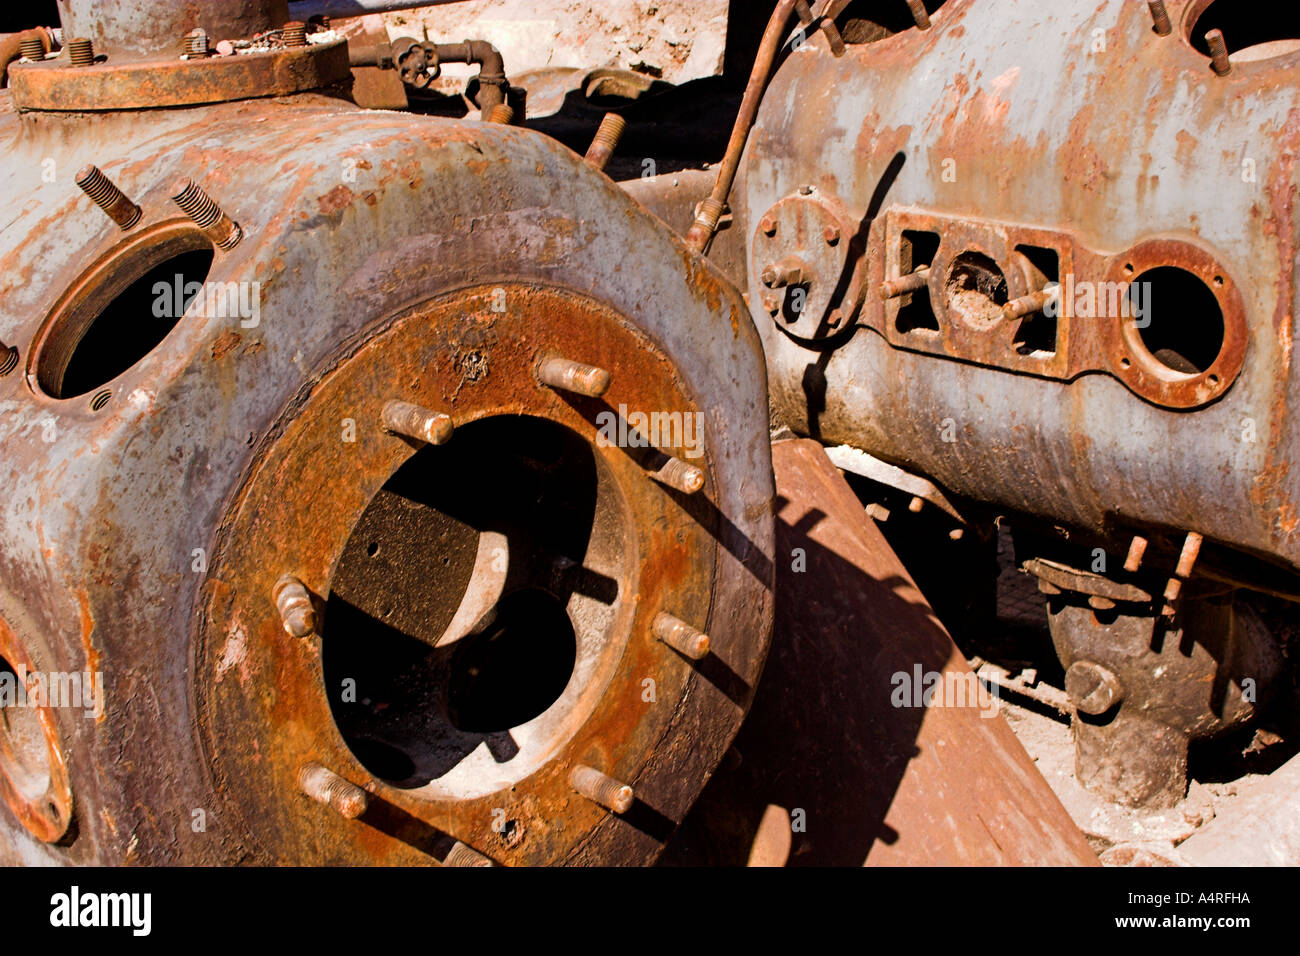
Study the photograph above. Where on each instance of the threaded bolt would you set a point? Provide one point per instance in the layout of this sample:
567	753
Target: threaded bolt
1136	549
611	794
919	16
295	33
8	359
571	376
706	224
680	636
32	49
606	140
1028	304
677	474
207	215
462	855
1161	17
502	113
294	605
325	786
417	422
905	284
1218	52
81	52
197	43
105	194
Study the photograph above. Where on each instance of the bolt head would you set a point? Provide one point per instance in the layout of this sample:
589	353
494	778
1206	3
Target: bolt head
768	226
831	234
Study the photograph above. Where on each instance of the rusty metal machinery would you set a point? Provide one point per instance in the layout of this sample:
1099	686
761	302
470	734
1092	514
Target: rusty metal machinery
1047	261
432	535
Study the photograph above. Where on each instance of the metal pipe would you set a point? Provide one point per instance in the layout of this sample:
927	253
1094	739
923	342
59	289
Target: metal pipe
706	224
491	73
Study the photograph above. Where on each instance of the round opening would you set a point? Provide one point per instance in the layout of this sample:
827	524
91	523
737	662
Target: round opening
1252	29
977	290
470	616
121	310
1178	319
23	749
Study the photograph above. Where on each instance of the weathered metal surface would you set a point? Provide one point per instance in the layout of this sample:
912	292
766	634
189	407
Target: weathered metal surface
142	29
1086	124
148	84
146	521
832	770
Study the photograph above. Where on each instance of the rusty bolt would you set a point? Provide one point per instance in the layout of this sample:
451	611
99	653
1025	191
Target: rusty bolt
831	234
417	422
835	319
1027	304
1136	549
294	604
805	190
680	636
1099	603
81	52
295	33
197	44
916	504
1187	558
1092	688
8	359
767	225
771	303
602	148
1161	17
502	114
108	197
1218	52
789	271
462	855
905	284
877	512
32	49
919	16
573	376
207	215
597	787
956	534
677	474
325	786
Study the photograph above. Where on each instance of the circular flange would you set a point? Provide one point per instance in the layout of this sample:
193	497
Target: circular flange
55	85
1132	362
814	232
34	778
268	702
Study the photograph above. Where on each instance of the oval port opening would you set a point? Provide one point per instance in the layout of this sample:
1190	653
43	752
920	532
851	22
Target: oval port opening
121	310
1252	29
511	520
23	753
1178	319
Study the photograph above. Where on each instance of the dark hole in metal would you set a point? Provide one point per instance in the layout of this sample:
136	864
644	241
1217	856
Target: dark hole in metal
1182	326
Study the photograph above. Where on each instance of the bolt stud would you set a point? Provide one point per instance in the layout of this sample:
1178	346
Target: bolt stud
295	33
680	636
1218	52
325	786
905	284
31	48
919	16
417	422
598	788
105	194
677	474
81	52
1028	304
462	855
571	376
1136	549
502	114
1160	16
606	140
207	215
294	604
789	271
197	44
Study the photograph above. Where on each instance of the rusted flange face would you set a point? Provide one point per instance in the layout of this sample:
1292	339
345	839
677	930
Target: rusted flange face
581	528
33	770
1130	358
148	84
